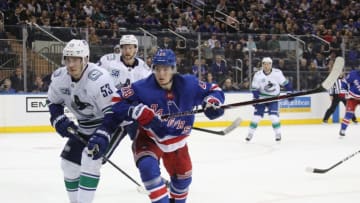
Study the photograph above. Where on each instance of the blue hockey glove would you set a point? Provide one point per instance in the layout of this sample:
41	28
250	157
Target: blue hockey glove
291	98
98	144
62	124
211	106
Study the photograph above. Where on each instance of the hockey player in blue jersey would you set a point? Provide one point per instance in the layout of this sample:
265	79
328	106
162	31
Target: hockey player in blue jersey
165	92
353	85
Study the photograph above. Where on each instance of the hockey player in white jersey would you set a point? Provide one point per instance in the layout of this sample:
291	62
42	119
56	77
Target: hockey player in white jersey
124	71
266	83
115	56
86	90
128	68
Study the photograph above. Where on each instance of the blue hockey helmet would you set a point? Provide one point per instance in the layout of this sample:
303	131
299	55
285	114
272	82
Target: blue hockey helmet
164	57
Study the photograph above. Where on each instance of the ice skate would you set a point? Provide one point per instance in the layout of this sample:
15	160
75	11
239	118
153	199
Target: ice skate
278	137
249	137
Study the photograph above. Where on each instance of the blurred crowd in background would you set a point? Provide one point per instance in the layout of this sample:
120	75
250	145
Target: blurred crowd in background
234	36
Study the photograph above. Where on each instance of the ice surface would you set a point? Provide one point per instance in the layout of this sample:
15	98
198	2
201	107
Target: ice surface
225	168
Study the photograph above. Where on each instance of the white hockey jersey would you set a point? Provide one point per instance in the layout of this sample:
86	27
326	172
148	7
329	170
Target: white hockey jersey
124	75
109	57
268	85
87	99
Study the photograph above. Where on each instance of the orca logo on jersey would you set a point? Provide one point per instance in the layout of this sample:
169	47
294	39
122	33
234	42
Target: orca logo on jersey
270	87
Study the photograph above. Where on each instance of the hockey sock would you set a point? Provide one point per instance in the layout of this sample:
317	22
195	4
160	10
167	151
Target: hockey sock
275	120
254	123
179	189
345	122
150	175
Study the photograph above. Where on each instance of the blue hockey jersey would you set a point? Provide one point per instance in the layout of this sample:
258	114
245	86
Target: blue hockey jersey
186	93
353	82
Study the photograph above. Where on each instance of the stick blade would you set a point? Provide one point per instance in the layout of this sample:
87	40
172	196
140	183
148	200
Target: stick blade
316	170
336	70
232	127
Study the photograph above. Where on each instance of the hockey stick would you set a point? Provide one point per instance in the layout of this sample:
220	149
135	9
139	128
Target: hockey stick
140	188
225	131
325	85
317	170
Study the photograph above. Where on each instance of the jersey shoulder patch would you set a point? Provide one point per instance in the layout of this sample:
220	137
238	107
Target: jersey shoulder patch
57	72
110	57
94	74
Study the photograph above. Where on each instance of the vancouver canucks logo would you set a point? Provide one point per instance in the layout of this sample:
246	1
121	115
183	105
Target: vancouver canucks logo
125	84
270	87
83	108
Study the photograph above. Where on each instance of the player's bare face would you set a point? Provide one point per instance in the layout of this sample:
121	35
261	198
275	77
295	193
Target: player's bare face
163	75
74	66
266	67
128	52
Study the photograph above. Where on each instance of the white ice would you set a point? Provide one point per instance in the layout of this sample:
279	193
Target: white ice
225	168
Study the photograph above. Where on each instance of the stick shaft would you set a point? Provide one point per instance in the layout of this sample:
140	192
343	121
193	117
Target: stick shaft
250	102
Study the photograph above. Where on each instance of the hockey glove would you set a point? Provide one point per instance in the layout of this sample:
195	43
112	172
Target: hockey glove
147	118
62	124
211	106
290	98
142	114
98	144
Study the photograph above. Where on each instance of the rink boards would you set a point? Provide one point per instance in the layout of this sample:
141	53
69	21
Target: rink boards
29	113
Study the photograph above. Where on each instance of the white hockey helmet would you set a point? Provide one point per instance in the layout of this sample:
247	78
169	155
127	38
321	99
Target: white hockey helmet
267	60
77	48
129	39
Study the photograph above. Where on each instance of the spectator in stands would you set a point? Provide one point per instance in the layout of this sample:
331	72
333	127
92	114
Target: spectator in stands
180	27
232	22
273	44
199	69
218	49
6	87
250	45
167	43
39	85
88	8
17	80
212	41
219	69
93	37
335	46
207	52
261	46
180	65
210	78
229	86
319	62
